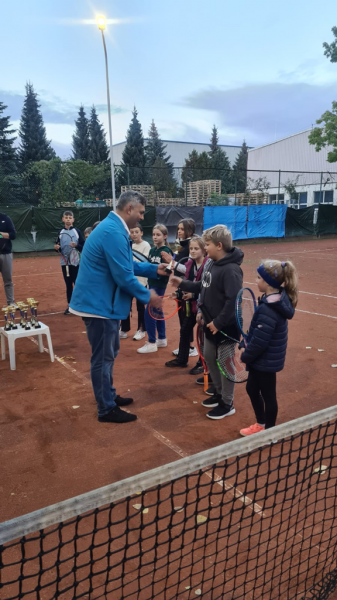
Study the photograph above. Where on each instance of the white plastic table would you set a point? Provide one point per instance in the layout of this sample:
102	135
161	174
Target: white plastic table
13	334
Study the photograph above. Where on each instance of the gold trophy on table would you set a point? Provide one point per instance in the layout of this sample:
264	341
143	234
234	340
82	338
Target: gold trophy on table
7	323
25	315
30	302
11	311
34	305
22	319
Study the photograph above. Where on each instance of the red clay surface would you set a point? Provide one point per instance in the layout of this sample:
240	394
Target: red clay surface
51	451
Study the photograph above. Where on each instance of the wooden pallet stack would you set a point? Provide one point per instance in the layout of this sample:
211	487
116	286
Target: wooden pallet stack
146	190
252	198
170	201
199	191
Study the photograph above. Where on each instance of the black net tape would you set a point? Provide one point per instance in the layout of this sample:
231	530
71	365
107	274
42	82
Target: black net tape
261	526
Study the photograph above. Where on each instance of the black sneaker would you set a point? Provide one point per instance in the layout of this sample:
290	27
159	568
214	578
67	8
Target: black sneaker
175	363
211	390
123	401
221	411
200	380
197	369
212	401
67	311
116	415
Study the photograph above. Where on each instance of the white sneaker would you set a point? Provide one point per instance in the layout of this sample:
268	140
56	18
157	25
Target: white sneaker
161	343
175	352
123	335
139	335
193	352
147	348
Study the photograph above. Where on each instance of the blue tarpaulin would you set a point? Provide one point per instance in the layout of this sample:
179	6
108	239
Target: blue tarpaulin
235	217
266	220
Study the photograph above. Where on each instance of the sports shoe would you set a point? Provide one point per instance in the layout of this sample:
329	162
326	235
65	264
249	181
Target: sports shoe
123	401
175	352
221	411
193	352
139	335
211	390
147	348
212	401
256	428
117	415
161	343
123	335
14	304
67	311
175	363
200	380
196	370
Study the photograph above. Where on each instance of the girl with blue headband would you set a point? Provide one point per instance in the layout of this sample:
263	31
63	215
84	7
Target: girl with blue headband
267	339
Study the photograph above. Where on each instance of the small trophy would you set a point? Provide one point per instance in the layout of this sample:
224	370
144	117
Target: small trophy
7	323
30	302
34	306
25	314
11	310
22	320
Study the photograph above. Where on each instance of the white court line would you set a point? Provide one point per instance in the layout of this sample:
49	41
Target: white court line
248	502
301	292
317	314
38	274
305	251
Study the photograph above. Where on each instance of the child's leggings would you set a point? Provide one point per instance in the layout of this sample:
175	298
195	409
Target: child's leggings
261	389
152	326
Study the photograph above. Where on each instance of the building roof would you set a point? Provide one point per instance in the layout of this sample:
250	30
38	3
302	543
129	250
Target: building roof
280	140
194	143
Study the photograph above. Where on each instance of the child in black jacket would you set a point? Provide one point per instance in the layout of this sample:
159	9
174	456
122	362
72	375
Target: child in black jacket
219	286
267	339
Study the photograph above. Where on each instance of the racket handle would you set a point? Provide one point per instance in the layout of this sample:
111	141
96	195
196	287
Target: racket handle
67	271
188	308
205	382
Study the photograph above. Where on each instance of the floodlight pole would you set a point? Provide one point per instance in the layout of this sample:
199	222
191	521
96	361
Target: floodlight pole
110	129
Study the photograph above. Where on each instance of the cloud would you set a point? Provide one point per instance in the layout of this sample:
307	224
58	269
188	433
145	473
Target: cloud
261	113
64	151
53	108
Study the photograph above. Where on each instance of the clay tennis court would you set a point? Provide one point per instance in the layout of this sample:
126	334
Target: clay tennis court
52	451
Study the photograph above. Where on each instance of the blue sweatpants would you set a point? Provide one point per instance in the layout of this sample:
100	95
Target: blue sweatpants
151	325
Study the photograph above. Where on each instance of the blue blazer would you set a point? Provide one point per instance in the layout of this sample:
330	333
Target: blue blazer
106	280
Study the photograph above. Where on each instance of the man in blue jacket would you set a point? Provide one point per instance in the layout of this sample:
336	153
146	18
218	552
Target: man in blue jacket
7	234
105	286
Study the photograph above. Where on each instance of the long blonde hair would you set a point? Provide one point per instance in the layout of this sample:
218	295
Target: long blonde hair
162	229
285	273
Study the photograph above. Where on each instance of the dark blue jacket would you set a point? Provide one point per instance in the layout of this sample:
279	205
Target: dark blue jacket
268	335
7	226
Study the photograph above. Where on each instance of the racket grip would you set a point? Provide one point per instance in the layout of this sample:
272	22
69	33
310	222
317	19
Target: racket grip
205	382
67	271
188	308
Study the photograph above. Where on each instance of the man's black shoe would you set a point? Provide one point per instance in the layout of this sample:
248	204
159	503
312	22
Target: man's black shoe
123	401
116	415
175	363
67	311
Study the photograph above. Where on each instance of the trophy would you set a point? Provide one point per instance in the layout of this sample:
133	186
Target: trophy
34	306
7	323
22	320
25	316
11	310
30	302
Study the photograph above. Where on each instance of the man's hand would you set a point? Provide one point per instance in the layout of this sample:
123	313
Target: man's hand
212	328
57	247
155	300
200	320
187	296
161	270
175	281
166	256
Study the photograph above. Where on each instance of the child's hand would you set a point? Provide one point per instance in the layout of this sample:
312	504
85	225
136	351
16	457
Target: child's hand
187	296
175	281
73	244
166	256
212	328
200	320
57	247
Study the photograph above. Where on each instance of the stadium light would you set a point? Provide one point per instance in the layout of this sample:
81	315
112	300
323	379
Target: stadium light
101	22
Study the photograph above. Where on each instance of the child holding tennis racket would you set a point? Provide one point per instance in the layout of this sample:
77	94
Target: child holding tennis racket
69	244
267	339
221	281
188	310
159	236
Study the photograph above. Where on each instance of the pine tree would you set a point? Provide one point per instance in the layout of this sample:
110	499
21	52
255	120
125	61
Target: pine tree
34	145
155	148
221	169
98	147
197	167
214	145
132	169
240	170
8	161
81	142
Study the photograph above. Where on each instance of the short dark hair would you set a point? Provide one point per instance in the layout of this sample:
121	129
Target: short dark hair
88	230
95	225
189	227
130	197
68	213
139	227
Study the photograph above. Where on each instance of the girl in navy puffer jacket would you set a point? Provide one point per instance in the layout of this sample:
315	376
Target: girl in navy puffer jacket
267	339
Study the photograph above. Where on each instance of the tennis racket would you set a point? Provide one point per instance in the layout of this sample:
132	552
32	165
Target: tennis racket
170	307
140	257
245	307
200	348
228	356
70	255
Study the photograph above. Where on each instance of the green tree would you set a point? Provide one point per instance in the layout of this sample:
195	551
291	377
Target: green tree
221	169
214	145
98	147
155	148
132	169
330	50
8	158
34	145
240	170
320	137
81	141
197	167
161	177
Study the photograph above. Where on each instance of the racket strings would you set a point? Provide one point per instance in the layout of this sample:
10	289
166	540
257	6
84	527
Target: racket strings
229	362
245	310
170	307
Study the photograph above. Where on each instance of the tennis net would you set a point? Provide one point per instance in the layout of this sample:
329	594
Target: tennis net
252	519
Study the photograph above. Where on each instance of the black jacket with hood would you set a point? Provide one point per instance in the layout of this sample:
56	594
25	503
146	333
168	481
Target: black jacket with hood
220	283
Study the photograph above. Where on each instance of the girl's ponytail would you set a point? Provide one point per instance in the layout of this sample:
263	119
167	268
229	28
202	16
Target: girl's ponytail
284	273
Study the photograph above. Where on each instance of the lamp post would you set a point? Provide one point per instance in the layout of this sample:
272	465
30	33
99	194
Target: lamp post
101	22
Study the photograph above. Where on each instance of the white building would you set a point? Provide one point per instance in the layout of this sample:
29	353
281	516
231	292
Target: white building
179	151
294	160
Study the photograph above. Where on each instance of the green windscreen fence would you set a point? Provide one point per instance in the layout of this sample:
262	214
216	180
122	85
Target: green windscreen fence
327	219
300	222
22	217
